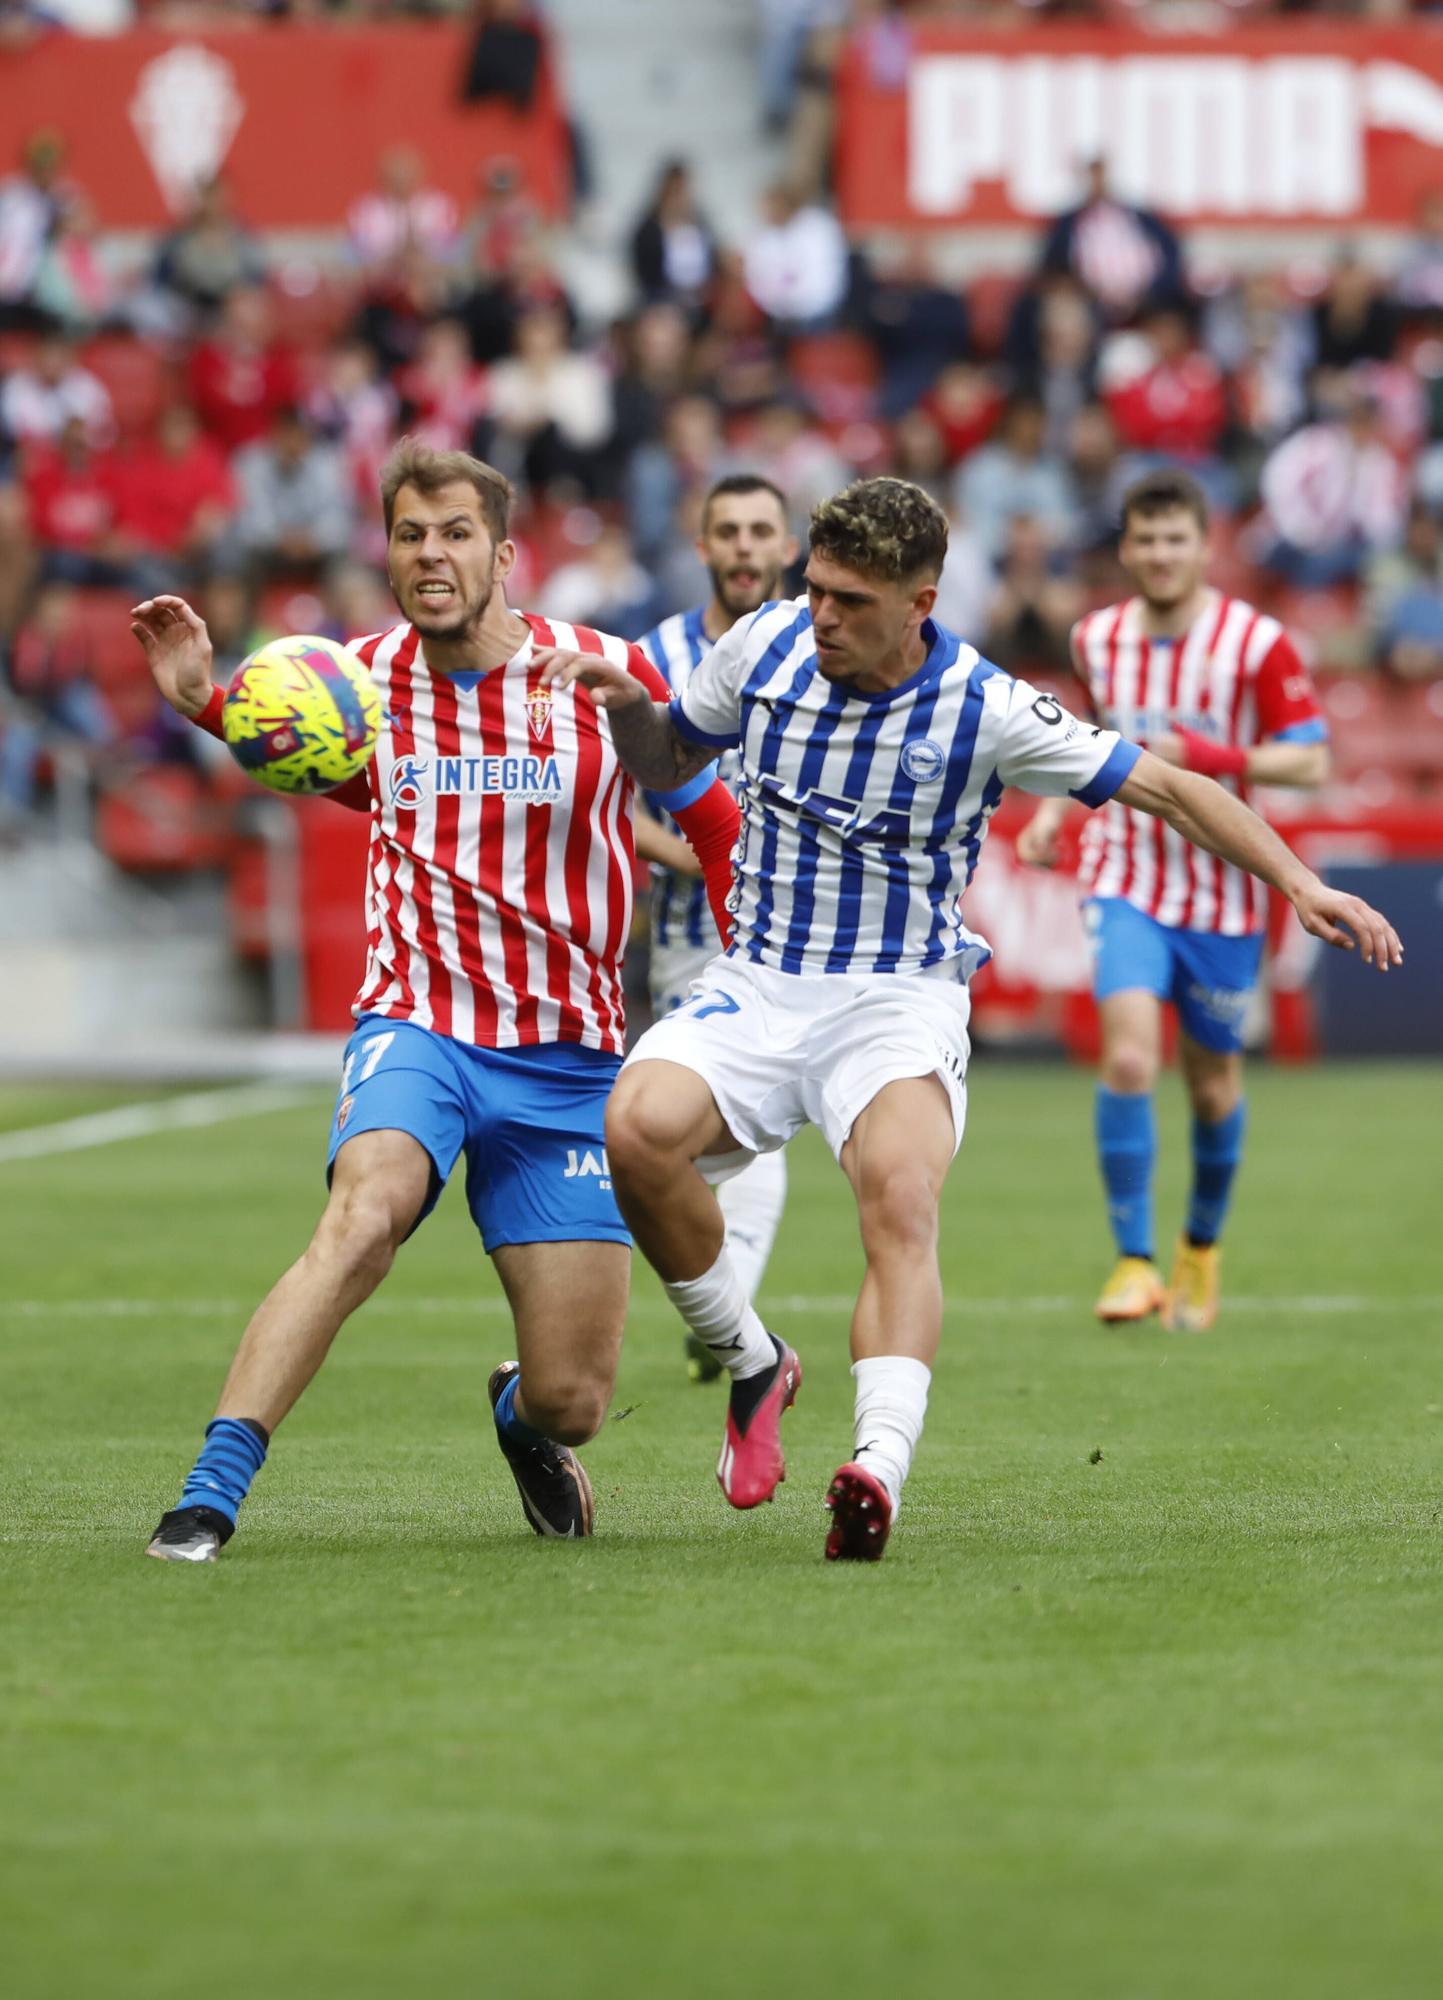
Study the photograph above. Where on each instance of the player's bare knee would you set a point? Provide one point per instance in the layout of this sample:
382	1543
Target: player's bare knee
636	1136
362	1231
1130	1069
898	1212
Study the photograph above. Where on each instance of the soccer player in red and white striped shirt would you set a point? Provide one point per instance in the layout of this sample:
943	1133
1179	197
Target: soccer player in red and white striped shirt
1207	682
489	1019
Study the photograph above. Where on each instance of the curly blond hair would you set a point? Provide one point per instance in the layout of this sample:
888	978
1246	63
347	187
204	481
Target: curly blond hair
884	528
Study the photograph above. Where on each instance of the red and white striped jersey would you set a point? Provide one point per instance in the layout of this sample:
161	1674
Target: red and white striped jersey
1235	677
500	878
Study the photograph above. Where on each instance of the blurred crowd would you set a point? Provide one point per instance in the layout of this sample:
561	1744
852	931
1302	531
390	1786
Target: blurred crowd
214	422
794	31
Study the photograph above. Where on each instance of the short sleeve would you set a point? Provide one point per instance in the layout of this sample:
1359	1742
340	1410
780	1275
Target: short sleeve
1288	709
709	708
1077	655
1046	750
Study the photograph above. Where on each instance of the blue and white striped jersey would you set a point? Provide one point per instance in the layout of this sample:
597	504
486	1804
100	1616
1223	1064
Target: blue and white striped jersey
863	814
679	913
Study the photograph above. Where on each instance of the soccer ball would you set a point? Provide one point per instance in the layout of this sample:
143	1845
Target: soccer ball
302	715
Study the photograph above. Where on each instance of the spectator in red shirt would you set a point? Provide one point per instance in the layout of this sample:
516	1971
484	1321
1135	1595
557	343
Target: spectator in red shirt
964	404
1174	406
176	492
444	389
241	376
72	496
1175	403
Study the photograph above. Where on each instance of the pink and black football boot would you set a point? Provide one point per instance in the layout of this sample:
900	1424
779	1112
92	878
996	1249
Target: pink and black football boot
751	1466
861	1510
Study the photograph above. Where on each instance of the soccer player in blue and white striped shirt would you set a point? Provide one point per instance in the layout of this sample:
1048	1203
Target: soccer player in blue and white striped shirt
874	745
747	544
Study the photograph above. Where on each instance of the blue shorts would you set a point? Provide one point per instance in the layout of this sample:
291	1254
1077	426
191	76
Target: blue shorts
1208	978
529	1121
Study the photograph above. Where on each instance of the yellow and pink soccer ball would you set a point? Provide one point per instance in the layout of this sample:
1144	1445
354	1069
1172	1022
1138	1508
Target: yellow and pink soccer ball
301	715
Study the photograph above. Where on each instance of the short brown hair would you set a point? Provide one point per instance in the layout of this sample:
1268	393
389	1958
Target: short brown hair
739	483
1160	492
884	528
414	463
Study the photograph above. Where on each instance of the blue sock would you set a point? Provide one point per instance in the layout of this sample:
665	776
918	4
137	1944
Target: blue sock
1126	1148
507	1419
233	1453
1216	1151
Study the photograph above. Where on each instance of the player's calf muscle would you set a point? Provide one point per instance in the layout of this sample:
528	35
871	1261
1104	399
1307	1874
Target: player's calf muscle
567	1410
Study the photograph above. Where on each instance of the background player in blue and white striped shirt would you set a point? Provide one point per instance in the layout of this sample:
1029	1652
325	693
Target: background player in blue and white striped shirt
874	745
747	545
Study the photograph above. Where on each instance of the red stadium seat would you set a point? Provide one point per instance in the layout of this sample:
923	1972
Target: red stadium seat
1380	732
15	350
247	898
309	307
1360	720
102	617
161	821
837	373
139	375
1420	711
991	298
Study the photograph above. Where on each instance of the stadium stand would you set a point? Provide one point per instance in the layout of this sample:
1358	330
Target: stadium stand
181	405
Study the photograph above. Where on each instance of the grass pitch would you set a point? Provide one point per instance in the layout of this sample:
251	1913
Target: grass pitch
1145	1701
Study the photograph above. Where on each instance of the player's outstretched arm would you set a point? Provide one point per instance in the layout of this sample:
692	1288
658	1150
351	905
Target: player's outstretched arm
178	652
1302	765
1202	812
656	754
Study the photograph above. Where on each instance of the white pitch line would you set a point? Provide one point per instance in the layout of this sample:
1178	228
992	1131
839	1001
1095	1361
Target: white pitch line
425	1308
139	1121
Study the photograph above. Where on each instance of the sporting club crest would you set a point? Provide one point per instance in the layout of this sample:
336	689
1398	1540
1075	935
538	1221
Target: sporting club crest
186	111
538	711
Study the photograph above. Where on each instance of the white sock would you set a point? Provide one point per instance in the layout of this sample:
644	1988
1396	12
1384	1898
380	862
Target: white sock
890	1408
715	1307
752	1203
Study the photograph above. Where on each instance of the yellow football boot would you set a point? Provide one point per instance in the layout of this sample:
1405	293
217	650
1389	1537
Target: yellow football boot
1191	1304
1133	1290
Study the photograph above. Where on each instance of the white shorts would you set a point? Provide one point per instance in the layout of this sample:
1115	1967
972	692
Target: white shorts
675	968
780	1050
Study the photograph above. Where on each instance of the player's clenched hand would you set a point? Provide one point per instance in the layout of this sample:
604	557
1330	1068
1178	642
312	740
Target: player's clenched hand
1037	844
608	686
177	651
1329	914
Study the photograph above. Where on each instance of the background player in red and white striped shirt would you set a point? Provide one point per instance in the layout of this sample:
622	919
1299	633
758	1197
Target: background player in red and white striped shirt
489	1020
1207	682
